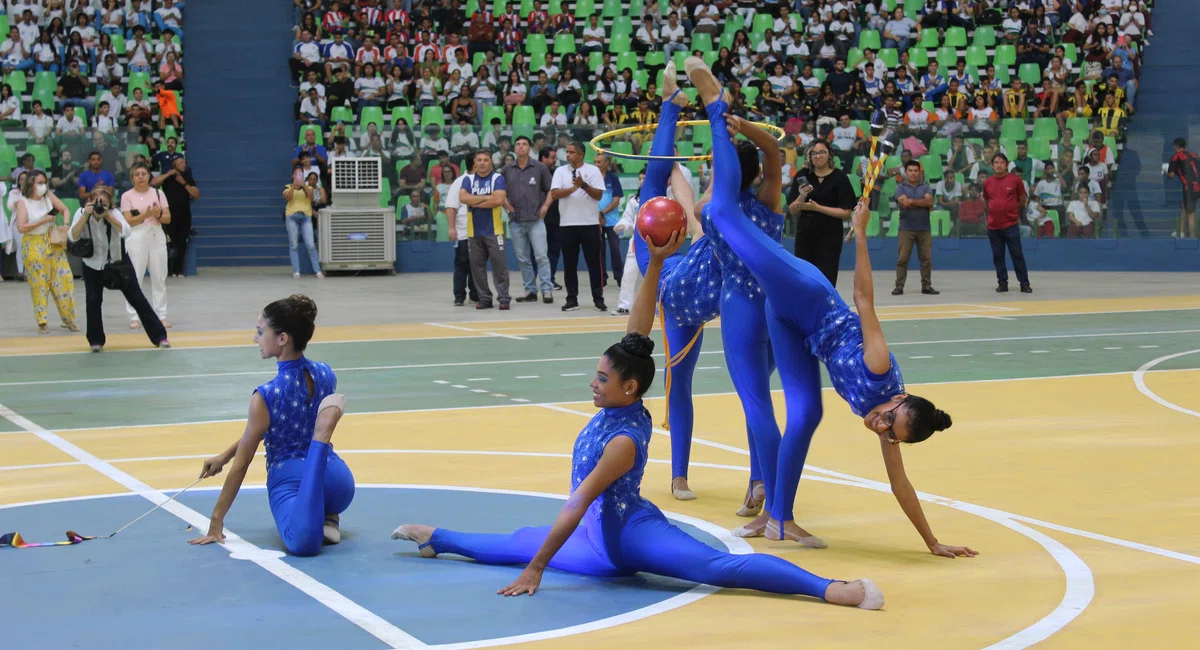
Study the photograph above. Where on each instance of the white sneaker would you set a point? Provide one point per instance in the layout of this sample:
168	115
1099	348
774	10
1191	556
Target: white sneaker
295	276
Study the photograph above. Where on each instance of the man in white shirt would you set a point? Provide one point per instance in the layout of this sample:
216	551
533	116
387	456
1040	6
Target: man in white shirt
554	116
306	56
706	16
593	35
338	55
168	15
672	35
949	193
115	98
69	125
465	71
312	109
39	123
464	140
456	220
646	39
578	186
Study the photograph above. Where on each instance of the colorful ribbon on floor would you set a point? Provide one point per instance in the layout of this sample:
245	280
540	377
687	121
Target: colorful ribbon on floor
15	540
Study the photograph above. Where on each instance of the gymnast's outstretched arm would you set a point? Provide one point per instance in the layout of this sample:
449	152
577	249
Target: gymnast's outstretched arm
618	458
256	427
770	193
641	316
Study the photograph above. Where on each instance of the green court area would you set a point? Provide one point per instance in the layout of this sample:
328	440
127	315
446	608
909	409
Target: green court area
193	385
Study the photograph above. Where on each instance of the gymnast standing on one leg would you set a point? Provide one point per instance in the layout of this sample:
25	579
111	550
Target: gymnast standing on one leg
743	311
809	323
294	416
606	528
689	289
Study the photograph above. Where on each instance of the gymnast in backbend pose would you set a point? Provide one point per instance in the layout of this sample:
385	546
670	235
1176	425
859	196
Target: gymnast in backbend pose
809	323
293	415
606	528
689	289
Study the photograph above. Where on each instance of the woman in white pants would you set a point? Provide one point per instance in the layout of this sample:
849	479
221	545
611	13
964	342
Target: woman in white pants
145	209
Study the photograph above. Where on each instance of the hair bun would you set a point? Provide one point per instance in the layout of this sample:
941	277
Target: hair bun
304	306
941	420
638	345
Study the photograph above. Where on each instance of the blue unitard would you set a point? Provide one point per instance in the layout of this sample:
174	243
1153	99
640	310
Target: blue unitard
306	480
808	323
689	290
622	533
744	334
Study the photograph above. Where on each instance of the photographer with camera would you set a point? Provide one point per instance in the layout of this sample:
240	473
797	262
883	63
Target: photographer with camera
95	236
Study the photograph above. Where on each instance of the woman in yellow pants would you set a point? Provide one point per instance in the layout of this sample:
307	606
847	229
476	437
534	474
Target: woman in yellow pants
46	267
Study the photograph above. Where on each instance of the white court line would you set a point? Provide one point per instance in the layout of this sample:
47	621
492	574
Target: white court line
1139	380
348	609
481	333
461	364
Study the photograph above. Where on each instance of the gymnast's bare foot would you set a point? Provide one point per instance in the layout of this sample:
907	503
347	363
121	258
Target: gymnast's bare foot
863	594
680	489
328	414
669	86
794	533
419	533
752	505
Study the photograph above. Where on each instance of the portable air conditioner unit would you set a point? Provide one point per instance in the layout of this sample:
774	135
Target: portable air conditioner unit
358	239
357	182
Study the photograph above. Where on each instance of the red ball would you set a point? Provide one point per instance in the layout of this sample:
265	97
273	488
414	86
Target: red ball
659	217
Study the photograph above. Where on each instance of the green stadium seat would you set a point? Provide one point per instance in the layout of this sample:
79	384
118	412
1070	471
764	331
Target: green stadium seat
930	39
432	115
523	115
306	128
1012	128
139	80
1030	73
526	8
1080	129
733	23
642	77
478	60
918	56
939	146
564	43
537	61
385	193
762	22
471	7
856	184
46	97
654	60
985	36
947	57
890	57
170	132
554	8
403	113
72	206
692	94
41	155
535	43
1009	145
118	41
585	8
894	225
751	94
1005	55
494	112
627	60
977	56
623	25
370	114
956	37
8	157
342	114
506	60
820	74
702	137
1039	148
443	227
595	60
4	24
702	42
939	223
46	81
620	43
869	38
710	58
1003	75
873	224
932	165
1071	52
1045	127
680	57
612	9
853	57
16	79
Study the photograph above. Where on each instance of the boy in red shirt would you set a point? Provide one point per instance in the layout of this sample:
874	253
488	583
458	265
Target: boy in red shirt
1005	196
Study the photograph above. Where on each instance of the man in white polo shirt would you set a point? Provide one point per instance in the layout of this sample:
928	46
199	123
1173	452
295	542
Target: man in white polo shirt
578	186
456	219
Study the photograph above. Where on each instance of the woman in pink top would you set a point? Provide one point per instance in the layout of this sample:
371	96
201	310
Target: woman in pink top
171	72
145	209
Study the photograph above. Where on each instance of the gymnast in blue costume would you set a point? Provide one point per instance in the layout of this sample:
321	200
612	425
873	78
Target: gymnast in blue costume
606	528
689	289
294	416
810	324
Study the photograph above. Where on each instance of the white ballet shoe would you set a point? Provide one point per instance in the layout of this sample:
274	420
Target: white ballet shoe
811	541
332	533
752	496
747	532
403	533
683	495
873	595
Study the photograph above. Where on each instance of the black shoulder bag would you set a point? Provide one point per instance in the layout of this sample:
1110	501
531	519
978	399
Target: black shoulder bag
82	248
117	274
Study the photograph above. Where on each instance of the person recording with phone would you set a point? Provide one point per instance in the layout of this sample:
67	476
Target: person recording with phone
96	235
822	200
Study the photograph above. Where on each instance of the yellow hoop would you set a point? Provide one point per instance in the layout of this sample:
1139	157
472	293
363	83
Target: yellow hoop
781	134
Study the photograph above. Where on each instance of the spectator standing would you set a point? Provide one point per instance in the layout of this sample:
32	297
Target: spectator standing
610	216
299	221
101	222
46	267
456	220
484	192
180	188
163	161
94	175
147	211
1185	165
578	186
547	157
915	199
527	202
1005	196
821	210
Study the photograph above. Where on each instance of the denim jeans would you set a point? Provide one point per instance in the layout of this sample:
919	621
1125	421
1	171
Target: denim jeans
1009	238
526	236
300	224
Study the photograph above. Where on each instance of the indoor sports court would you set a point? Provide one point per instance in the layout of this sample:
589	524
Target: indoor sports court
1076	416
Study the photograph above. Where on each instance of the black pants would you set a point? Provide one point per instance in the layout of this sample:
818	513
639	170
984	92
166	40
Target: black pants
615	258
822	250
300	69
570	240
178	232
1010	237
462	272
93	284
552	246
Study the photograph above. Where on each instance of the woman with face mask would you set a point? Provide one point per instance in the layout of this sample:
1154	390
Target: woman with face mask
146	210
46	266
106	227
